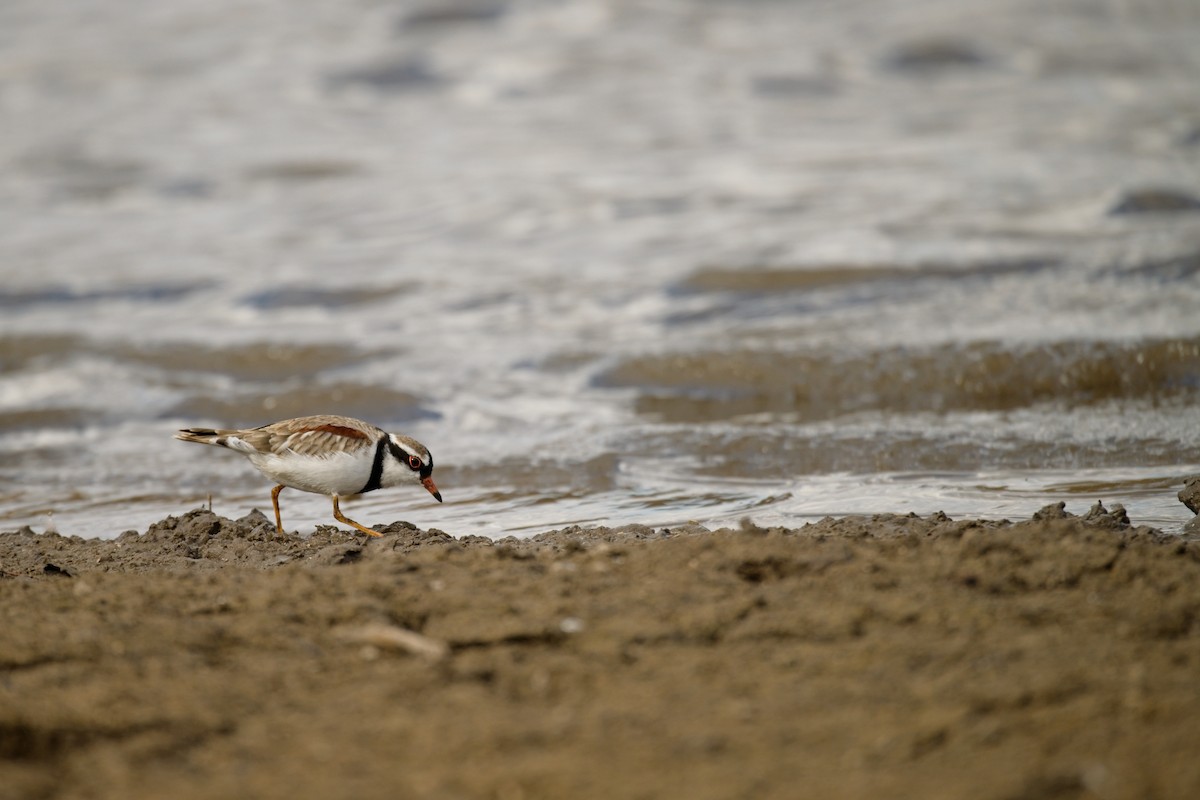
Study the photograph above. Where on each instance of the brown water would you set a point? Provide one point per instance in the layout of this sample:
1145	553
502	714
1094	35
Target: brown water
611	262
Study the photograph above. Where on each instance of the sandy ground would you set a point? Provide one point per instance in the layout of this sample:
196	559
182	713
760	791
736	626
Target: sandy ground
868	657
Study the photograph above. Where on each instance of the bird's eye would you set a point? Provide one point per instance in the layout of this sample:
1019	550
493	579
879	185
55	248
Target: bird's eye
414	463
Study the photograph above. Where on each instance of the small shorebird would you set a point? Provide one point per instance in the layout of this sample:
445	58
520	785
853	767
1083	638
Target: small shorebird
326	454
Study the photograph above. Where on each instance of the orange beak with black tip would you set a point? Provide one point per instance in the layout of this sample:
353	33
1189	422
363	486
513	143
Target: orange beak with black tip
433	490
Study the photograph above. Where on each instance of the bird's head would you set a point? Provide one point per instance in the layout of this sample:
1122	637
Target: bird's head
408	461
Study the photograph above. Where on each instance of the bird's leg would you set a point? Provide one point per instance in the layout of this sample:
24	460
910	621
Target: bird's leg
340	517
275	502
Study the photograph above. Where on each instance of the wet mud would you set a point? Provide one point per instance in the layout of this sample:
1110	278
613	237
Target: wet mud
885	656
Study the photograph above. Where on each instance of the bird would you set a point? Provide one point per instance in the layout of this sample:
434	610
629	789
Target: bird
326	454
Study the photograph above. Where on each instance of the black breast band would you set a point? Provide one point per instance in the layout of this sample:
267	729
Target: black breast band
376	478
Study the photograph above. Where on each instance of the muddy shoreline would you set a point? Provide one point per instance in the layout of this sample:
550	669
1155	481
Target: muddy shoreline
881	656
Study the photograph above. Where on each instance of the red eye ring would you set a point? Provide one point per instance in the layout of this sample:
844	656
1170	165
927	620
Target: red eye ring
414	463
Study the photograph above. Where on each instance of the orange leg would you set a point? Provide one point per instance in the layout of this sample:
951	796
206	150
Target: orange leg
337	514
275	502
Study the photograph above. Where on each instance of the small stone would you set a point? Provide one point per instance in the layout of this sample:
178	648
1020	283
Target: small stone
927	55
1154	200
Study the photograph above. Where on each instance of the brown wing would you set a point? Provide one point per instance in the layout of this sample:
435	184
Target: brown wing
313	436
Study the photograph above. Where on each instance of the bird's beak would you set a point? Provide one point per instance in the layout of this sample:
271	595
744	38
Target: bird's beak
428	484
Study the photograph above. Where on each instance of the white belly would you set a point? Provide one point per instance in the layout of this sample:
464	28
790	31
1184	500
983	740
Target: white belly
336	474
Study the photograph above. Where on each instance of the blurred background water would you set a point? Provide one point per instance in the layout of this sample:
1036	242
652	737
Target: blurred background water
628	261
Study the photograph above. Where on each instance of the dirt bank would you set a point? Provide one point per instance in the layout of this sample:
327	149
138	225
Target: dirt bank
860	657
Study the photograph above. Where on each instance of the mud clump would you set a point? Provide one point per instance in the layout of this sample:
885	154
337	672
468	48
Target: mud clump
1189	495
881	656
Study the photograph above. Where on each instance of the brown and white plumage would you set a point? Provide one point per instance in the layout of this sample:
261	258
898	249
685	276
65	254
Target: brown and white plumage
326	454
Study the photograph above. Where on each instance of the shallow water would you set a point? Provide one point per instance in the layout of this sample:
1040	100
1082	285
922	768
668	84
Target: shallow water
612	262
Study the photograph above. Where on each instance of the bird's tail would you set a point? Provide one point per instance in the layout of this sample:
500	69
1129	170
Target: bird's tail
217	438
